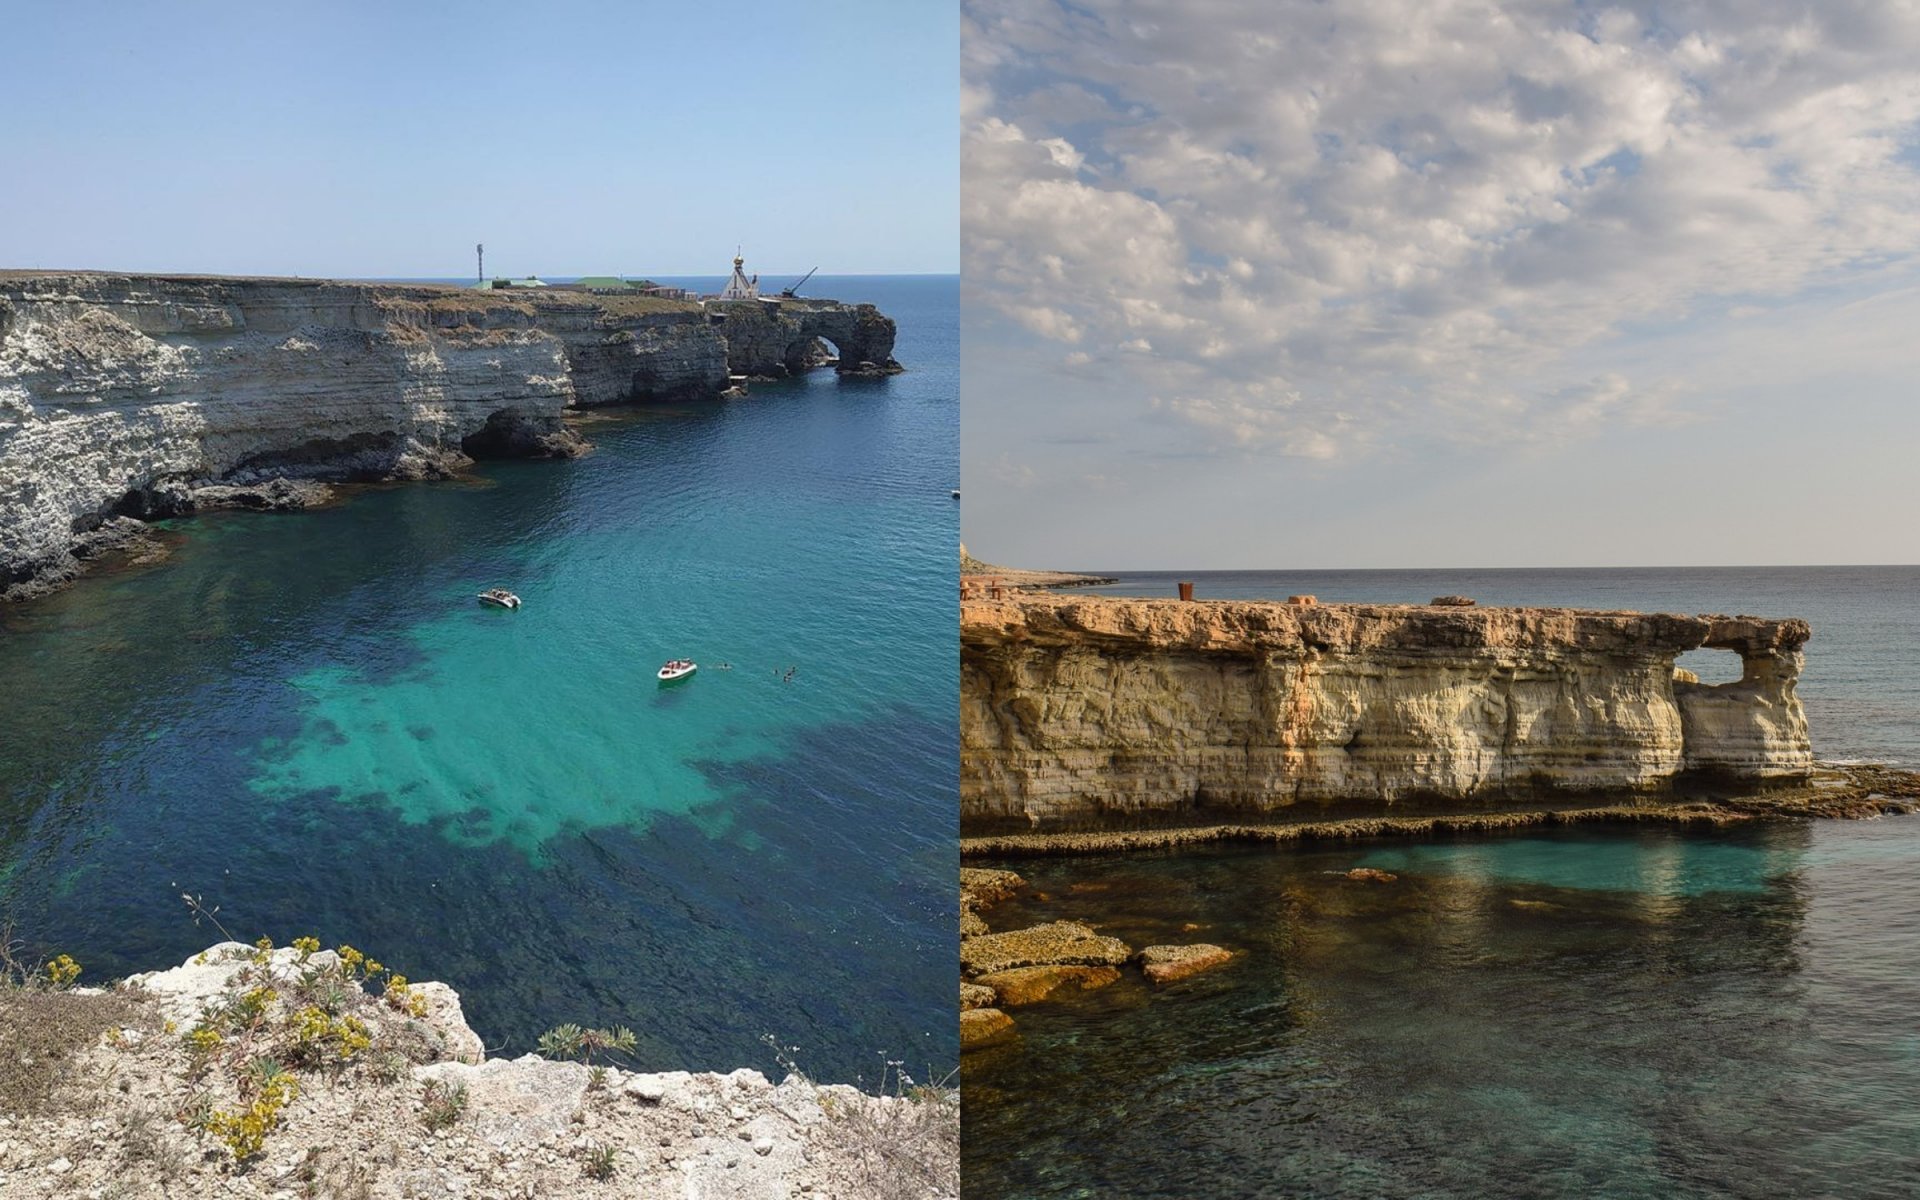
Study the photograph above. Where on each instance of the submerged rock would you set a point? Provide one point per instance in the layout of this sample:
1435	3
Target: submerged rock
1167	964
1030	985
1370	875
979	1026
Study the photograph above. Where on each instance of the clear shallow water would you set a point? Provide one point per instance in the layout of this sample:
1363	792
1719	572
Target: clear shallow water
1627	1014
1616	1012
309	719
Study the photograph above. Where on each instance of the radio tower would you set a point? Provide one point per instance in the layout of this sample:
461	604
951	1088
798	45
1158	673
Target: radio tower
479	262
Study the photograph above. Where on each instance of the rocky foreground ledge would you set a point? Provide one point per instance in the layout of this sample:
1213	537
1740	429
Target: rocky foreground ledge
1094	712
129	397
250	1071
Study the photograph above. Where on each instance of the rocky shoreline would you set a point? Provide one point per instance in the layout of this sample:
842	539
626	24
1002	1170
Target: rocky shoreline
256	1071
1833	791
1016	577
1002	970
129	398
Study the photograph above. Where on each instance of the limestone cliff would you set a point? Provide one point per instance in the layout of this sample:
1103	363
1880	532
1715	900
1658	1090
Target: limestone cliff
142	396
1074	709
252	1072
782	337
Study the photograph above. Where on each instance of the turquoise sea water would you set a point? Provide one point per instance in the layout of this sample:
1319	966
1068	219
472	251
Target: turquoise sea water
309	720
1593	1012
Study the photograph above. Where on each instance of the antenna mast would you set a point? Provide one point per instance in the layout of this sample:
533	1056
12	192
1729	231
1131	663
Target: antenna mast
479	262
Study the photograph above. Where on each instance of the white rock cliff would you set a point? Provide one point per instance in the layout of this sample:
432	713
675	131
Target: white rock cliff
131	396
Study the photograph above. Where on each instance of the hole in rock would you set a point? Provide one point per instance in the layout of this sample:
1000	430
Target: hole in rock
1712	666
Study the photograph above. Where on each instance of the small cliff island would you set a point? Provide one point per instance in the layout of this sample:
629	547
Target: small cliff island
127	398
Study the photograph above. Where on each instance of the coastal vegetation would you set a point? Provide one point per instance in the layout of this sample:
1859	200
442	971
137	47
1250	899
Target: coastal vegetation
261	1069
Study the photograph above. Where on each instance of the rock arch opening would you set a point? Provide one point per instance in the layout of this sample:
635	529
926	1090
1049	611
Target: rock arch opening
1710	666
806	353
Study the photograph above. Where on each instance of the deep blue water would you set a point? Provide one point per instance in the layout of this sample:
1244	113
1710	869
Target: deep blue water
1617	1012
308	720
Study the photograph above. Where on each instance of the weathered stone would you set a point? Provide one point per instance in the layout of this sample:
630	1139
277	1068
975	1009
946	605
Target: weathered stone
1371	875
1166	964
973	995
1078	709
1057	943
971	923
1030	985
979	1026
278	494
515	1102
981	886
139	397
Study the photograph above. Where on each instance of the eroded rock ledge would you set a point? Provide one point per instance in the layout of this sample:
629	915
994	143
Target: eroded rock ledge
1092	711
145	1090
130	397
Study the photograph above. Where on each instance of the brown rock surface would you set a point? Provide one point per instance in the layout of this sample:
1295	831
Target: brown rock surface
1167	964
1057	943
1030	985
983	887
978	1026
974	995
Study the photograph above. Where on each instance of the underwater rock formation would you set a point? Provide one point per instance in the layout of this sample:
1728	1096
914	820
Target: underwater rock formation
1079	710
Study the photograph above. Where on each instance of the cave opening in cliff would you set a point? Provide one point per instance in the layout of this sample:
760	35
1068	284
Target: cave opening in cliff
809	352
1712	666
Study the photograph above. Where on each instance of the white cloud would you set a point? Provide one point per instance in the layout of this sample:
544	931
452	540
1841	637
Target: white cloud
1340	227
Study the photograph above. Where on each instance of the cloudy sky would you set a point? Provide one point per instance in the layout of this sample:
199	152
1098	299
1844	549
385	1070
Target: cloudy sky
1440	283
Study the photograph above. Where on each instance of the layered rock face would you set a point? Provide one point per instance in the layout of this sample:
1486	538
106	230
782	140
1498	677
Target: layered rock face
1075	709
781	337
131	396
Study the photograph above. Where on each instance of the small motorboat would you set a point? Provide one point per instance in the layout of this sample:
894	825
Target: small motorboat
499	598
679	668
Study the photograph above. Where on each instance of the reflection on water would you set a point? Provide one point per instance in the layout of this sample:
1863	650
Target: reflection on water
1620	1013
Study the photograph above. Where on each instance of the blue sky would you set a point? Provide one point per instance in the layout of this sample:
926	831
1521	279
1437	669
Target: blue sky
1399	283
376	139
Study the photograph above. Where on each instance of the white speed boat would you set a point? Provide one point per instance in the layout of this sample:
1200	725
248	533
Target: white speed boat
499	598
679	668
